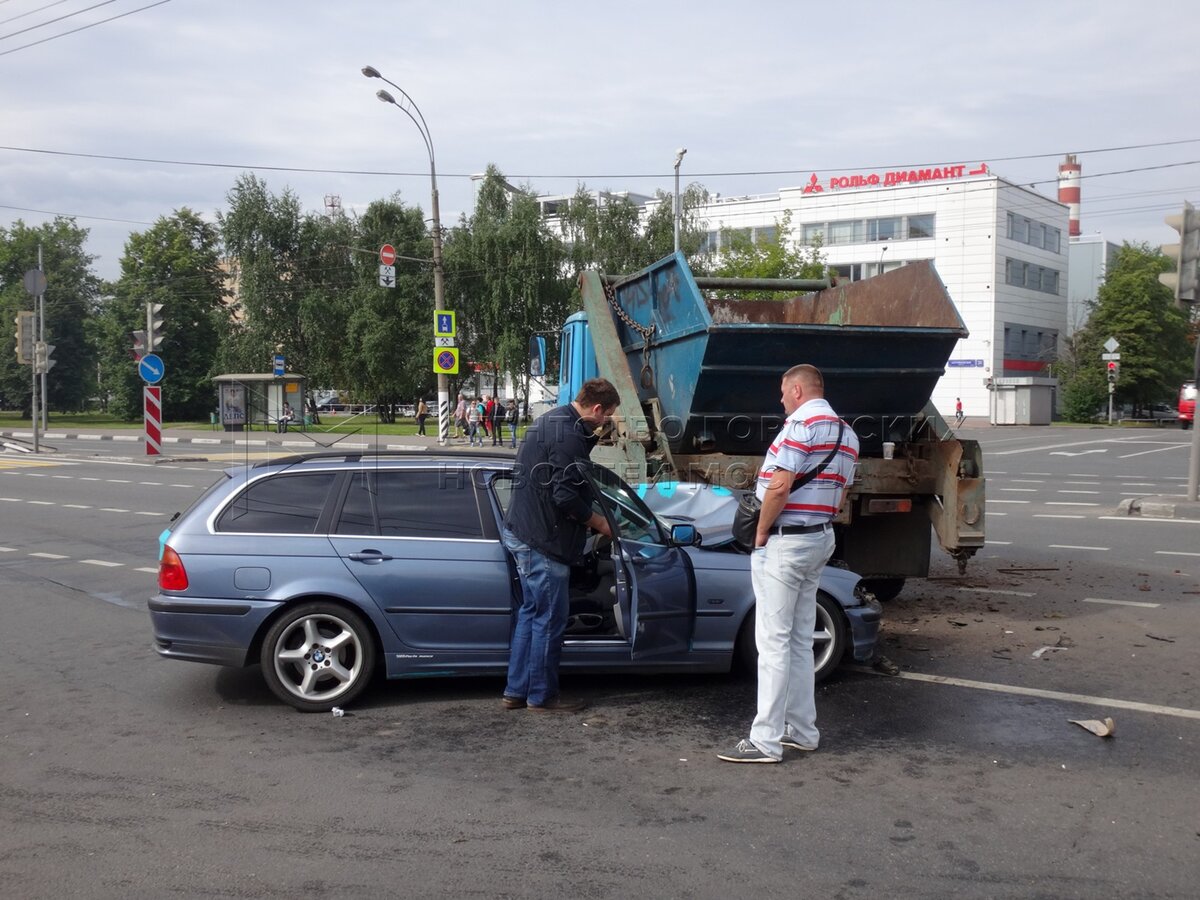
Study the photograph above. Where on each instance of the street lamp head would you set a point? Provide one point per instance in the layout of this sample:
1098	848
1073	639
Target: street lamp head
371	72
385	97
679	156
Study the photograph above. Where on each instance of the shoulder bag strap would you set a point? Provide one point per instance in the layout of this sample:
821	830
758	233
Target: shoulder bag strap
808	476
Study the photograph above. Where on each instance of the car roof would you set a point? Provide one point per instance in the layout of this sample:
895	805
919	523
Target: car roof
398	457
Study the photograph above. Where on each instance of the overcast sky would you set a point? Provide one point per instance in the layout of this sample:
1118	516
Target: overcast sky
557	93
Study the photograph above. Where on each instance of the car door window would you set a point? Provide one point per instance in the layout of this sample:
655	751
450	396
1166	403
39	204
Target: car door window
410	503
635	521
279	504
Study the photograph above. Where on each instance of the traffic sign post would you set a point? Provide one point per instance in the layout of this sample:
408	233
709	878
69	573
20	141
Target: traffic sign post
152	418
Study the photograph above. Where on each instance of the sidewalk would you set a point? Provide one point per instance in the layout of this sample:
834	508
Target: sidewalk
294	439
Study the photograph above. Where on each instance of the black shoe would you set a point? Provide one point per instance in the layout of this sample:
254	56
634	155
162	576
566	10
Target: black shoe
746	752
790	740
559	704
512	702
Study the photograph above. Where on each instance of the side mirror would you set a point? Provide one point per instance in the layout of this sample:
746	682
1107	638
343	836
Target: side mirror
685	536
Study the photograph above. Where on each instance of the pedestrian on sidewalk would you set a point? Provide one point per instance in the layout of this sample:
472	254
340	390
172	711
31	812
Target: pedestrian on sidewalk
460	417
422	415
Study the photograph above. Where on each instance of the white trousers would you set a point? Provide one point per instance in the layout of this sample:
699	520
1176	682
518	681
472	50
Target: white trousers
786	573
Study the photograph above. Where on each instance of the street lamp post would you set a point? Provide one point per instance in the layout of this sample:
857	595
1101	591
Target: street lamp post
409	107
678	159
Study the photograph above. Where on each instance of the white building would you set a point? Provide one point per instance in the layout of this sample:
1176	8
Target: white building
1089	258
1000	248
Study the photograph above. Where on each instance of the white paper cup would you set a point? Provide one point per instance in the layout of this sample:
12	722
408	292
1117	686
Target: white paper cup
889	449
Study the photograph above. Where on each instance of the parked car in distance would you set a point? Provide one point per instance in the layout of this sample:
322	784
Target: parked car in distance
319	567
1186	411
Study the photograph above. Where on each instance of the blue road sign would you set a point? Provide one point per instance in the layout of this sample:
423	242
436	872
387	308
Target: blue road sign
279	365
151	368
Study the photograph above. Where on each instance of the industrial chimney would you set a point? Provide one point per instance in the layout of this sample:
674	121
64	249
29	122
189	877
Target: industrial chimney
1068	191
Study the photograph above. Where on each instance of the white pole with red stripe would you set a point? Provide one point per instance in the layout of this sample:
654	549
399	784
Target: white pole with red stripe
152	406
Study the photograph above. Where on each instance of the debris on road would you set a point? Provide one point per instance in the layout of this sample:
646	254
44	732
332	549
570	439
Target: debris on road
1155	637
1099	727
1037	654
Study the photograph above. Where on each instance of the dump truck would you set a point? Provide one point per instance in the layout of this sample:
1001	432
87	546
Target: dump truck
698	361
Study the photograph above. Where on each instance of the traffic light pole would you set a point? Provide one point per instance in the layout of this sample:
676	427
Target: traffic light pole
1194	464
41	303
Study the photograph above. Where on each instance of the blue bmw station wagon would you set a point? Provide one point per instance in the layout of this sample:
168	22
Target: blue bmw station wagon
324	568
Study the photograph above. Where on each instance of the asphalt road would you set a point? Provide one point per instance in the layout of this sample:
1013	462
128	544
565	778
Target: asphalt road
129	776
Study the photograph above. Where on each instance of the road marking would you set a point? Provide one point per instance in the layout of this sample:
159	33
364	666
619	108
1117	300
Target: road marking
1075	547
1021	490
1012	501
992	512
68	477
76	506
990	542
997	591
1144	452
149	514
1028	481
36	474
1083	483
1138	484
8	549
1052	447
41	502
1176	553
157	483
1047	474
1069	503
100	562
147	569
1090	700
181	485
118	481
48	555
1122	602
87	478
1056	516
1148	519
12	499
112	509
1078	492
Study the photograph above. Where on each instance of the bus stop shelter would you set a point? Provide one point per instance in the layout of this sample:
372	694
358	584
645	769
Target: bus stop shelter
257	398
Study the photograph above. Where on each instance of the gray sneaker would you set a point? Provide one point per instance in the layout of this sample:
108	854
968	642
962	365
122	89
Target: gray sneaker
746	752
791	741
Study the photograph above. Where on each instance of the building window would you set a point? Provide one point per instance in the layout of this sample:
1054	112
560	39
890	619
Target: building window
920	226
1035	234
862	231
1033	277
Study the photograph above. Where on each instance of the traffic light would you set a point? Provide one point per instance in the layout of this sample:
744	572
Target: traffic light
1185	280
1114	369
42	360
139	343
25	337
154	324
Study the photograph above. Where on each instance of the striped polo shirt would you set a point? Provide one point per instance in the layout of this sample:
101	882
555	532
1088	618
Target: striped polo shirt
805	440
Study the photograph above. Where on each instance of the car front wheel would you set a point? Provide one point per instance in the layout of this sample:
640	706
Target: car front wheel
317	656
829	639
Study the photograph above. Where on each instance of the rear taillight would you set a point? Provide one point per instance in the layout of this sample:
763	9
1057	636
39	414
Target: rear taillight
171	574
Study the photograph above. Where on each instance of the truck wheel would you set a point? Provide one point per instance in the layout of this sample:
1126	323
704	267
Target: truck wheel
829	640
884	589
318	655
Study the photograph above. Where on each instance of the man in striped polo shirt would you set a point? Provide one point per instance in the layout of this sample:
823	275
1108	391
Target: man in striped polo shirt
794	541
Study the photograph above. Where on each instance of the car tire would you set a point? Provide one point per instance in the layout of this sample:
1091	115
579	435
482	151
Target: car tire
884	589
829	640
318	655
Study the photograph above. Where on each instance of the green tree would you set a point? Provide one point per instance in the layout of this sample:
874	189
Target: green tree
771	254
290	269
506	273
1133	307
659	230
390	329
175	263
70	300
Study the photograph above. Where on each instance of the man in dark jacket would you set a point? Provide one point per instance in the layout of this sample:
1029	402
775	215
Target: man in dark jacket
545	529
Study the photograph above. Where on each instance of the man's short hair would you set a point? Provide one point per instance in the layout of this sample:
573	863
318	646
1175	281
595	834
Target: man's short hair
810	375
598	390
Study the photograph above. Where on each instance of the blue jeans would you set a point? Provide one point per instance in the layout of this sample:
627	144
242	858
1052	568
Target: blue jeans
541	620
786	574
513	427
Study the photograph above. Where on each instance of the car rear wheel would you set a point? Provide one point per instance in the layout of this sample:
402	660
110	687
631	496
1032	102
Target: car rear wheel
317	656
829	640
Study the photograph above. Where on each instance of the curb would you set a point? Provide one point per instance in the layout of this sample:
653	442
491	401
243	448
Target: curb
1159	508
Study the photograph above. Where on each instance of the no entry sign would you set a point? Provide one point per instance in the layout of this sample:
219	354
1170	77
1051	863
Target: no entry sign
387	254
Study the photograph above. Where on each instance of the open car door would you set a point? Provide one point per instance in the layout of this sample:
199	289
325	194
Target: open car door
655	585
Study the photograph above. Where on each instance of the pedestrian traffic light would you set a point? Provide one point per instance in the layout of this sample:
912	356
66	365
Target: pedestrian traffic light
1185	280
154	324
25	341
1113	370
139	343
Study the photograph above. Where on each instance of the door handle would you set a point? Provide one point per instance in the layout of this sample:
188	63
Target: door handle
370	556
